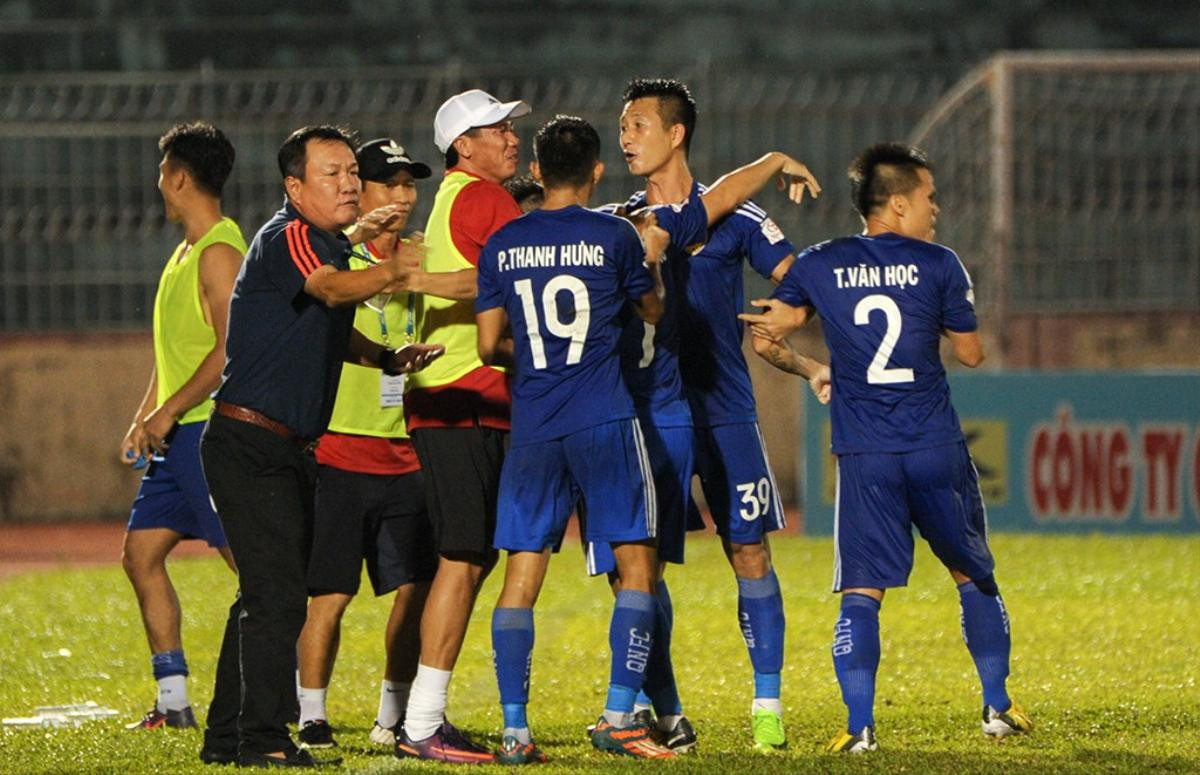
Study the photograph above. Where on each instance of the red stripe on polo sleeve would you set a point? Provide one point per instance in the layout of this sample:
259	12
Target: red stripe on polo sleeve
306	246
291	231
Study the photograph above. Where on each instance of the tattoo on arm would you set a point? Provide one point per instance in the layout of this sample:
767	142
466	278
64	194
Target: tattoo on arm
784	358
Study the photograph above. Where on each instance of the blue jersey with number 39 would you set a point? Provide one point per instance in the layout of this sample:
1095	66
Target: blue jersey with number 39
883	302
563	276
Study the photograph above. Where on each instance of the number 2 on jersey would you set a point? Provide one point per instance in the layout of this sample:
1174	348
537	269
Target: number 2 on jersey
576	330
878	373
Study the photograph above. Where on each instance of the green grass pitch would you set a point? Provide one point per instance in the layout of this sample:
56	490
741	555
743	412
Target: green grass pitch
1106	635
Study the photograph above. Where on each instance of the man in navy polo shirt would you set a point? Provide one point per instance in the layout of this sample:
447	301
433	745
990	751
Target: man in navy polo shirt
290	328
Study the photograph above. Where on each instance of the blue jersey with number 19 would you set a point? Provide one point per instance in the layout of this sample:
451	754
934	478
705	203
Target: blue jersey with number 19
884	301
563	277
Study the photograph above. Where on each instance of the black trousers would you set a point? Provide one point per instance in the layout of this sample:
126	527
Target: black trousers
263	488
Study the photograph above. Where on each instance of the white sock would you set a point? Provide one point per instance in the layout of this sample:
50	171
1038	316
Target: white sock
617	718
312	705
393	697
172	693
523	735
639	707
426	702
773	704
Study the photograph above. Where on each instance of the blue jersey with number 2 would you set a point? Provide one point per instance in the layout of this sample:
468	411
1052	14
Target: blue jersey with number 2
883	302
563	277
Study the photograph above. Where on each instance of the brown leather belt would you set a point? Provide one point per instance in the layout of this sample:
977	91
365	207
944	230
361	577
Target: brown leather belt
241	413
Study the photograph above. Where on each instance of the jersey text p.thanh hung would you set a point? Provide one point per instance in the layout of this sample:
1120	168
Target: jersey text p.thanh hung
563	277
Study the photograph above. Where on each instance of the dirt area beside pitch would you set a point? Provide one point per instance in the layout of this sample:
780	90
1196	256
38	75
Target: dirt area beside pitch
25	548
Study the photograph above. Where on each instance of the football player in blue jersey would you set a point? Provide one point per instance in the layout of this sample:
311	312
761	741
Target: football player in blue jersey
657	123
885	298
561	276
650	366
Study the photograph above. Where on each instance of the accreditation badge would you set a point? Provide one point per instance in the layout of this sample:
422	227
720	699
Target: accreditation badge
391	390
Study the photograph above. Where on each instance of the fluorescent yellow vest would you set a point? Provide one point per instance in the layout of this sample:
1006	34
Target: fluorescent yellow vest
357	409
182	337
441	321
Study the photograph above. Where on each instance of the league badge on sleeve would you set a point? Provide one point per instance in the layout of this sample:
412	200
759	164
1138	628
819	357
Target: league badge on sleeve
772	232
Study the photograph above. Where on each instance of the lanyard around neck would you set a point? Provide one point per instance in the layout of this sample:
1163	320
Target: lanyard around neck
368	255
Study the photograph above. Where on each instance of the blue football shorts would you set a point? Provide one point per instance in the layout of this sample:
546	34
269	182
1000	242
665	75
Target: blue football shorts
880	497
736	478
606	466
174	494
670	452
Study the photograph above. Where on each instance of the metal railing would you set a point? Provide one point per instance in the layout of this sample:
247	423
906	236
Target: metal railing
82	236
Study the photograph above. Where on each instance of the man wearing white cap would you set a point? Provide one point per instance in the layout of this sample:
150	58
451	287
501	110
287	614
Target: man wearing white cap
458	413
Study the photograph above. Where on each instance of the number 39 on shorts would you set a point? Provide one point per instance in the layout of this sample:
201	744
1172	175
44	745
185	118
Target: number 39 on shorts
756	499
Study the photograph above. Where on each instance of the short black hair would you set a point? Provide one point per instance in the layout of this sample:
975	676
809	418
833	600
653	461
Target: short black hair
293	153
883	170
567	149
675	103
203	150
526	191
452	152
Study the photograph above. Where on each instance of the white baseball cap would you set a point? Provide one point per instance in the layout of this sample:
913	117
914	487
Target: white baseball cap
468	110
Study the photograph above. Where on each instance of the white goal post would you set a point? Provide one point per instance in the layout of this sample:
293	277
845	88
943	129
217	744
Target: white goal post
1071	180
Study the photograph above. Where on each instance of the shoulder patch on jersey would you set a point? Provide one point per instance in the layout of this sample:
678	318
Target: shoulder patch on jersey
771	231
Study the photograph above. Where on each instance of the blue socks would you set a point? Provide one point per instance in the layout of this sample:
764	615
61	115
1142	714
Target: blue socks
630	636
660	689
856	658
512	653
760	613
168	663
985	630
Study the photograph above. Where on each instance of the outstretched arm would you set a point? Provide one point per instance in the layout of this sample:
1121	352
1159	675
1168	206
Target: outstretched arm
361	351
736	187
777	320
459	285
783	357
374	223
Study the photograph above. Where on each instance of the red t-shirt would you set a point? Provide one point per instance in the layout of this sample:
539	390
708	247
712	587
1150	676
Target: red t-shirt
480	396
367	454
